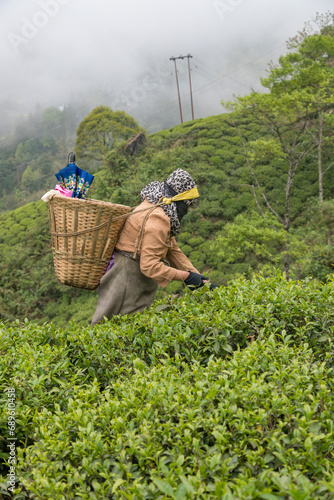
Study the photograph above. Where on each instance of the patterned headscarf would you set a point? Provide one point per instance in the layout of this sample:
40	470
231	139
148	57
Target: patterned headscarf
179	181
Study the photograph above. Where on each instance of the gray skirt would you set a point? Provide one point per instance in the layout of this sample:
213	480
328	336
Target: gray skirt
123	290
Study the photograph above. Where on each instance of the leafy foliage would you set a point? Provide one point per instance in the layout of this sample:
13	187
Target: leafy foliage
100	130
308	72
222	394
251	244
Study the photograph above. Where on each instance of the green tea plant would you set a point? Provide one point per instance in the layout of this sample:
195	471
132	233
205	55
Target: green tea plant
216	394
259	424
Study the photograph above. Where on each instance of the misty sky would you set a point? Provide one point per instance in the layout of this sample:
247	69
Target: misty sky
118	52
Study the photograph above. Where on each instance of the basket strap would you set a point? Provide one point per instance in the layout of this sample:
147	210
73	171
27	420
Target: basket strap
139	239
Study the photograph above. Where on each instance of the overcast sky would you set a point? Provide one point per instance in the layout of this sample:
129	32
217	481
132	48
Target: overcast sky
119	52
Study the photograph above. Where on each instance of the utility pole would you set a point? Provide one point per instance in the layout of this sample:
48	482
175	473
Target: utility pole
191	94
177	84
188	56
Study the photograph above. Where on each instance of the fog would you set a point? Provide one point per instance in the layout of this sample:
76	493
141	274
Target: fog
54	52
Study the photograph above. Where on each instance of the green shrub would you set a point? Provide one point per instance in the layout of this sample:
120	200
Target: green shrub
223	394
257	425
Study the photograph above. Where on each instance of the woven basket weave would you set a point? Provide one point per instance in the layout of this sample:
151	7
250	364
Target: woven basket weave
83	237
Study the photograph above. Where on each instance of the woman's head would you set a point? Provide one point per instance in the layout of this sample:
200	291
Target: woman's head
178	182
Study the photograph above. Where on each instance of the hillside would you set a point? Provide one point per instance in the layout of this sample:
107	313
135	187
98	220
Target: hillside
223	236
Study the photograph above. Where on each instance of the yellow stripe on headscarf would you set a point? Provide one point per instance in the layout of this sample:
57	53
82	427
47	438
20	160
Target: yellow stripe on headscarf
186	195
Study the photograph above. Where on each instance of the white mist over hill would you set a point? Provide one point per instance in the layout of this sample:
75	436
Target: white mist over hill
54	52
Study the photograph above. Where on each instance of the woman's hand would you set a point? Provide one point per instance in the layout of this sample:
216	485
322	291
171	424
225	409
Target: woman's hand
195	280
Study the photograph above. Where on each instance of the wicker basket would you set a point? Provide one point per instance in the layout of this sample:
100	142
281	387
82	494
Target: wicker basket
83	237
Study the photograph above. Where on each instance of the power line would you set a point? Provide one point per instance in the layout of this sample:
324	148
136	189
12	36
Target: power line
215	78
245	65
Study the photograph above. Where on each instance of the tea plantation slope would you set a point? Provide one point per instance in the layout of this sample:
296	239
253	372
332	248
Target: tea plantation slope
222	394
211	151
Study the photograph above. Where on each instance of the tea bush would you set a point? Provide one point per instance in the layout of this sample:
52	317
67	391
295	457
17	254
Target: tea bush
218	394
192	432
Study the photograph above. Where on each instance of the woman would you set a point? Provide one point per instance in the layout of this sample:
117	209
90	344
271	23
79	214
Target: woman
146	240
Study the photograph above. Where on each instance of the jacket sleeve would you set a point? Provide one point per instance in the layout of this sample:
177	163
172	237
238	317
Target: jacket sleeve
178	259
155	247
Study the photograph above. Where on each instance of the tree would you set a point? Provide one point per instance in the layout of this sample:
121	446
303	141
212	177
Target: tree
284	119
309	68
52	125
295	113
27	179
98	132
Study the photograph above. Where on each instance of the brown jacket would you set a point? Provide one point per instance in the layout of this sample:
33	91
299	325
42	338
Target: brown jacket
156	246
